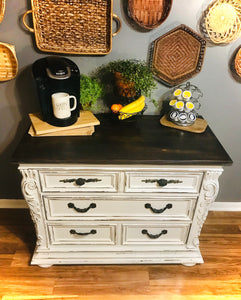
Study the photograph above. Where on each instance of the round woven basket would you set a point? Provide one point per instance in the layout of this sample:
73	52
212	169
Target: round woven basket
2	9
149	14
237	62
223	21
8	62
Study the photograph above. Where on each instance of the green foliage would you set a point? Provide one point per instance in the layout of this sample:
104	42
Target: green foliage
90	91
135	71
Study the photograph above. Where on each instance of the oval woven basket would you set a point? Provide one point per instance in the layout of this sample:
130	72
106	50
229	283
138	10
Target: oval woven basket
8	62
223	21
149	14
2	9
237	62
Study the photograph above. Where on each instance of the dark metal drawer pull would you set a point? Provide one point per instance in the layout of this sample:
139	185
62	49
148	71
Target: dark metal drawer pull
161	182
154	236
158	211
93	231
81	210
80	181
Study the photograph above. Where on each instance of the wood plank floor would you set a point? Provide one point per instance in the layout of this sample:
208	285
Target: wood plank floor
218	278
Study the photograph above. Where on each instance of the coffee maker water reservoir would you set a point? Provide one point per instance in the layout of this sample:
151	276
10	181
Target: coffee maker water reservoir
57	75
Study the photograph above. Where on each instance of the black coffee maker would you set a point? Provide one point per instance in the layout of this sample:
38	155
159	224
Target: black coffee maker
52	75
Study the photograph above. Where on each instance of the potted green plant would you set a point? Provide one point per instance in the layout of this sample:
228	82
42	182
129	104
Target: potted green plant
132	77
90	91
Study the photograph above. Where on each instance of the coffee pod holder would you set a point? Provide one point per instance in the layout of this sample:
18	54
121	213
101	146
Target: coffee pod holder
184	103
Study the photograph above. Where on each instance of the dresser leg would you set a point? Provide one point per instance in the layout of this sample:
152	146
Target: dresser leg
189	265
45	266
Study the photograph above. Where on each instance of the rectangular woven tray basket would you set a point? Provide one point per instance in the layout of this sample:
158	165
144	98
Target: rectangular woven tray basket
73	26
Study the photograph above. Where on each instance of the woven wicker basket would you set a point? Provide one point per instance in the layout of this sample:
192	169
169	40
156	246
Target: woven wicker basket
149	14
2	9
237	62
8	62
223	21
177	55
73	26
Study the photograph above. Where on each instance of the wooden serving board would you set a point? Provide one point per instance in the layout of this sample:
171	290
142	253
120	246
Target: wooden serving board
86	119
72	132
199	125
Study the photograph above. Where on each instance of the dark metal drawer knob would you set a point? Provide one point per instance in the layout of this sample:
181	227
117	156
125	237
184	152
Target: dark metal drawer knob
158	211
93	231
81	210
154	236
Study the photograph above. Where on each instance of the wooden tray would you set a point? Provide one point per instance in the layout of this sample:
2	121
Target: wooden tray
149	14
39	127
73	27
8	62
89	130
199	126
177	55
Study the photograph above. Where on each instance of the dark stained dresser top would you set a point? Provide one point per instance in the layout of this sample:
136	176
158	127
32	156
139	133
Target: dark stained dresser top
141	141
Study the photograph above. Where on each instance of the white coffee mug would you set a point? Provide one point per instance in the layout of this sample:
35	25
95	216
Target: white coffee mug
61	105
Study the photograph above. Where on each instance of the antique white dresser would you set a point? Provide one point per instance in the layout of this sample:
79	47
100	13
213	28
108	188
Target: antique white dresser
133	193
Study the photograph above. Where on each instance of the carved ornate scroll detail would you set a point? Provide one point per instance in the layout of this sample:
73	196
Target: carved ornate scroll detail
207	196
30	190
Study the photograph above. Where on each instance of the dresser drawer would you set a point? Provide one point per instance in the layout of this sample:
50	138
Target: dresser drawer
60	208
79	181
161	182
82	234
155	234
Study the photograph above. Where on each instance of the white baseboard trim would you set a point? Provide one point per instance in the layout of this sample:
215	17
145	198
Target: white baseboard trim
225	206
216	206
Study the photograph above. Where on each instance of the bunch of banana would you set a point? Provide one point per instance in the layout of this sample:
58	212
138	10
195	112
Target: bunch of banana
132	108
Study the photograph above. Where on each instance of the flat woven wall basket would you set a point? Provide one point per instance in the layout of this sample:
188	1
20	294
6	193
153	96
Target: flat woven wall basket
2	9
73	26
223	21
177	55
8	62
149	14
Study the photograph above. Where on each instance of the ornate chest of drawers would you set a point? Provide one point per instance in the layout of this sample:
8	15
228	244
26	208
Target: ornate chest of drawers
131	193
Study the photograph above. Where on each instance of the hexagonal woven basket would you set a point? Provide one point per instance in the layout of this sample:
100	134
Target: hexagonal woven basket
177	55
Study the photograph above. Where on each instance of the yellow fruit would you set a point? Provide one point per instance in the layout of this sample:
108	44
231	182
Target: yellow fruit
127	115
131	108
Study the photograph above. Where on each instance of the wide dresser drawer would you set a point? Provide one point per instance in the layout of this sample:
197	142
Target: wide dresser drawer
82	234
163	182
79	181
66	207
161	233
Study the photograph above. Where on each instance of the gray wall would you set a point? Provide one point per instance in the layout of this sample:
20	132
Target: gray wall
220	104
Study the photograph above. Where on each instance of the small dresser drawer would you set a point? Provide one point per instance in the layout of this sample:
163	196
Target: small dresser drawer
161	182
62	208
155	234
82	234
79	181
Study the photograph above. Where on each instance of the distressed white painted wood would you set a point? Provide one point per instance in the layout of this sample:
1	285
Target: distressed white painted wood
119	218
